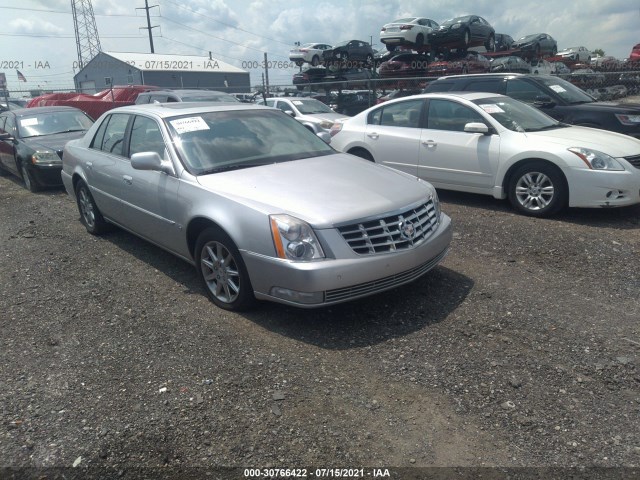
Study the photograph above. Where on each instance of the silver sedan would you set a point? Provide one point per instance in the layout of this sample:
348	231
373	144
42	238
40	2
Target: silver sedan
261	206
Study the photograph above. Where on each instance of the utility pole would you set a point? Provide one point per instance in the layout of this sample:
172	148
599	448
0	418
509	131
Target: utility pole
266	72
148	27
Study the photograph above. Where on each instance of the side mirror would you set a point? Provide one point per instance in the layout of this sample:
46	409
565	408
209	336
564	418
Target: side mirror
544	101
476	127
290	112
325	137
150	161
6	136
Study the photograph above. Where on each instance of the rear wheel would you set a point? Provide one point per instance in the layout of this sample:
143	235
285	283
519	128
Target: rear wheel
466	38
90	216
362	153
315	61
222	271
491	43
419	40
538	189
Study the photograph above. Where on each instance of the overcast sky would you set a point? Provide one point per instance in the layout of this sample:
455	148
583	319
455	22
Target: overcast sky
37	36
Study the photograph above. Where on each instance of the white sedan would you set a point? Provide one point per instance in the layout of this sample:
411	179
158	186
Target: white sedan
309	53
407	31
491	144
578	54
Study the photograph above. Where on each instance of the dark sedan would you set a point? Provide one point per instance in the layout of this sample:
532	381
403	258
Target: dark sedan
503	42
538	44
351	51
554	96
32	139
510	64
309	75
404	65
464	32
467	62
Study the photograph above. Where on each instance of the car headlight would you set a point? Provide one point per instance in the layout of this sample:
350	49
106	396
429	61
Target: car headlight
294	239
326	124
45	157
628	119
597	160
454	26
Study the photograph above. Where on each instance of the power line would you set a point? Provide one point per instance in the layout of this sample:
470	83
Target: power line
200	48
69	13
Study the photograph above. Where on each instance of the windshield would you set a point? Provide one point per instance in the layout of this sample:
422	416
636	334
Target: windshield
50	123
311	106
456	20
212	142
517	116
566	90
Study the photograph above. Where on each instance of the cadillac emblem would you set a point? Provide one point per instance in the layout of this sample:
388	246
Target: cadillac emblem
407	230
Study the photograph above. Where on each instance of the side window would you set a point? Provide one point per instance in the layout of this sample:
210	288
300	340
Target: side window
402	114
489	86
452	116
158	99
10	126
2	120
113	138
374	117
271	103
146	137
523	91
97	140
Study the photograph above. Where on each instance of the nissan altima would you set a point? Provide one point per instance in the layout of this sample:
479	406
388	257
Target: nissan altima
492	144
261	206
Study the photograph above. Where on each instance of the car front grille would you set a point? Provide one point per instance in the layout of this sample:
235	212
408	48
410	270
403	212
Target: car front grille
634	160
355	291
392	232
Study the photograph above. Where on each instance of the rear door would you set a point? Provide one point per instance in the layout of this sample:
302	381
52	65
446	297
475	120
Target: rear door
452	158
393	134
8	147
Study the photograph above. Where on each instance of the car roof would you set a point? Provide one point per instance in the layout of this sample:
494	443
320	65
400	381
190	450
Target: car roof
171	109
471	96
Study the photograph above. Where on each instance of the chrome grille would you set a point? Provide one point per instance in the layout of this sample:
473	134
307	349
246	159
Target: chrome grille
634	160
393	232
355	291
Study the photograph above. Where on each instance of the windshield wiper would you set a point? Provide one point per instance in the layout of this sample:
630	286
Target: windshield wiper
548	127
228	168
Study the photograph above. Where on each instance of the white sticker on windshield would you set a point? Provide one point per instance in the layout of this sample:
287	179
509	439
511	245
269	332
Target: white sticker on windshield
28	122
296	102
191	124
557	88
491	108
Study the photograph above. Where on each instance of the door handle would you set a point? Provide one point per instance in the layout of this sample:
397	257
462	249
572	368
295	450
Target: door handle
373	135
127	179
429	143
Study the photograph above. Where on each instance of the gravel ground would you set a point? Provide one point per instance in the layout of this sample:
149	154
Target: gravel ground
520	350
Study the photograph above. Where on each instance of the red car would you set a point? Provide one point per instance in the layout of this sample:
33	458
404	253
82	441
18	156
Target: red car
455	63
634	56
404	65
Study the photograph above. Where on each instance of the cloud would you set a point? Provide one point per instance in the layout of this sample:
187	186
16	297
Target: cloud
34	26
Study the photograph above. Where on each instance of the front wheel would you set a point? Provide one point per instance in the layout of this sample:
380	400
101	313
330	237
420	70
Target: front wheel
90	216
28	179
222	271
419	40
315	61
491	44
538	189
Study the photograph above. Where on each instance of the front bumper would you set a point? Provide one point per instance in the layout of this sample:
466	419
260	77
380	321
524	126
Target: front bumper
338	280
589	188
46	175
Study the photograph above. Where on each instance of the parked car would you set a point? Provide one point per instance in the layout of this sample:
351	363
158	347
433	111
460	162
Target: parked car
502	42
311	113
510	64
554	96
634	56
259	205
351	52
413	31
382	55
309	53
560	68
352	102
464	32
586	78
538	44
399	93
31	142
540	65
351	77
404	65
492	144
456	62
577	54
184	95
309	75
605	62
245	97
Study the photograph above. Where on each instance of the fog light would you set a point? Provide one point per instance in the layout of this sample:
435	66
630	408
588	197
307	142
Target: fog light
294	296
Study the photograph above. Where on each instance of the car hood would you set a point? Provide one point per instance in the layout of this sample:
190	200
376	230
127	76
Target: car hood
318	117
611	143
613	107
52	142
323	191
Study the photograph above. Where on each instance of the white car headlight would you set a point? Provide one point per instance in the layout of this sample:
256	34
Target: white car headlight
294	239
45	157
628	119
597	160
326	124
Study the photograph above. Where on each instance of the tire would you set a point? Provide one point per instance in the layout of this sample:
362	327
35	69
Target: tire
466	39
419	40
29	182
315	61
3	172
537	51
369	60
362	153
390	48
222	271
538	189
90	215
299	63
554	50
491	44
